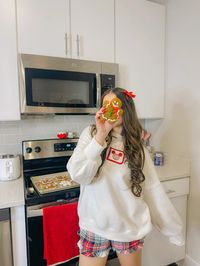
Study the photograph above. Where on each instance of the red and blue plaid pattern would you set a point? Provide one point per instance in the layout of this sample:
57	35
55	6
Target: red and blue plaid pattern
93	245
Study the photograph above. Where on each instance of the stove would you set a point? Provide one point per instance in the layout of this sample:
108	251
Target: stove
45	161
46	183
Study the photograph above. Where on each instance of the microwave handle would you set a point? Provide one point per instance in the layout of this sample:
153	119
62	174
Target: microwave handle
98	105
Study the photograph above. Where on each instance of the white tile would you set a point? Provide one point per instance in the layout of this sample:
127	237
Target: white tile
11	139
10	149
10	127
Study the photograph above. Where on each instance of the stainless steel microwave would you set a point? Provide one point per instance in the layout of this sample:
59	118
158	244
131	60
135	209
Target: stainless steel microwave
52	85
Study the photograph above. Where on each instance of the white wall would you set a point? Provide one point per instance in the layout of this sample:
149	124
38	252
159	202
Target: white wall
179	133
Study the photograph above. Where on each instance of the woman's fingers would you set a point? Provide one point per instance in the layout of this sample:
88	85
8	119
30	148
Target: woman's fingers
98	116
100	112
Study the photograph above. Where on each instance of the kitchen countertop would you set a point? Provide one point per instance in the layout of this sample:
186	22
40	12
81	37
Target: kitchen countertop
11	193
173	169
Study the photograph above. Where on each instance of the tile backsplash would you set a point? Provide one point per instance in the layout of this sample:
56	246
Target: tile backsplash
12	133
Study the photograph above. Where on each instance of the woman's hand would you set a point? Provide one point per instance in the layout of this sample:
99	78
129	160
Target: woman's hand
103	127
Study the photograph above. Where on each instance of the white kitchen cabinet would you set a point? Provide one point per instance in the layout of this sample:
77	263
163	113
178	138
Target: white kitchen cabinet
18	229
140	37
158	251
65	28
92	22
9	87
42	27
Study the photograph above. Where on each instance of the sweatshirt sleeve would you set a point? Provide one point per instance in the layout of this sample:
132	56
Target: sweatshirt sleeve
163	214
86	158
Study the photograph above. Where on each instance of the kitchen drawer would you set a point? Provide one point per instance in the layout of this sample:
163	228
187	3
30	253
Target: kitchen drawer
176	187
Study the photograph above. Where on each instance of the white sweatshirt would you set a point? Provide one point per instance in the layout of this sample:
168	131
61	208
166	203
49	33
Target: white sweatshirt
107	205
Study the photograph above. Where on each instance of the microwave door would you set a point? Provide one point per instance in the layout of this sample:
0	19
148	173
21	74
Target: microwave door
53	91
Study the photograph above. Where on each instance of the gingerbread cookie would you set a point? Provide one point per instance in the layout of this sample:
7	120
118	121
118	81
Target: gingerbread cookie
112	110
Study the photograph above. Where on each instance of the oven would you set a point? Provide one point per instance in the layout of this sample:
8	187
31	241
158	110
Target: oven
47	183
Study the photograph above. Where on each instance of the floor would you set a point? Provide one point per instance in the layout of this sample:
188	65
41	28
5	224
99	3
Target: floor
114	262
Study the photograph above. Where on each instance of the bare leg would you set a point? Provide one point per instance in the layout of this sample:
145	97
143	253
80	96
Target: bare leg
133	259
92	261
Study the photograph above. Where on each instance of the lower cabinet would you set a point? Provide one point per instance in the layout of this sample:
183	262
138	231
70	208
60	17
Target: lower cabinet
158	251
5	238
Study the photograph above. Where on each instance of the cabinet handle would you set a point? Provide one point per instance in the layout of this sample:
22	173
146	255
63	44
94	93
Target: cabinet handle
66	44
98	104
78	45
170	191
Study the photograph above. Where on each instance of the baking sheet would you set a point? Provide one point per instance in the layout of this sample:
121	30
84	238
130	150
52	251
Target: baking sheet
53	182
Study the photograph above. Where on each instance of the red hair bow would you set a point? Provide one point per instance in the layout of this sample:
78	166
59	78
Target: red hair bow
129	94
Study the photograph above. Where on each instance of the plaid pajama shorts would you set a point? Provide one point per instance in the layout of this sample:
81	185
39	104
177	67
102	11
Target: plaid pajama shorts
93	245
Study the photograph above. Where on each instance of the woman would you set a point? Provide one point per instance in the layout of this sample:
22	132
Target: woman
121	195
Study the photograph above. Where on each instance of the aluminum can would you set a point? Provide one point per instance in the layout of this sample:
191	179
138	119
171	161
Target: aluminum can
158	158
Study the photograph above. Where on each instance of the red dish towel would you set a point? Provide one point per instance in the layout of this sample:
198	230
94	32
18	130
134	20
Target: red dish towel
60	227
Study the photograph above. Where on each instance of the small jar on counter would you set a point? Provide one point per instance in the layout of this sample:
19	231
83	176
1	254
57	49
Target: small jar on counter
158	158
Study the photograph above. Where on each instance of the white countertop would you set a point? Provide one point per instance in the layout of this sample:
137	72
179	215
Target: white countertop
11	193
173	169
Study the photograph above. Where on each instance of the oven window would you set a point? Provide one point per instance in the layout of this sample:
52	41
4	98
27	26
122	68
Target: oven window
60	88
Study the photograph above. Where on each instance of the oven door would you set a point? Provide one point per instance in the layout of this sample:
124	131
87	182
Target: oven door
35	238
35	235
56	91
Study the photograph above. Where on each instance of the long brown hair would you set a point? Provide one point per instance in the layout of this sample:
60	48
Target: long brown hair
131	133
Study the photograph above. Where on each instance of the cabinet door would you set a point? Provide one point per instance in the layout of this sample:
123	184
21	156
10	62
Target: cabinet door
158	251
140	31
9	90
42	25
93	22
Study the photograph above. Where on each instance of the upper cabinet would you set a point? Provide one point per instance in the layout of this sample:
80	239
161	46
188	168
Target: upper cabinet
65	28
9	87
92	29
43	27
140	39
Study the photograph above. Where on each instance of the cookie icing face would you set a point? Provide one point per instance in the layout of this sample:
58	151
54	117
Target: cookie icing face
112	110
116	102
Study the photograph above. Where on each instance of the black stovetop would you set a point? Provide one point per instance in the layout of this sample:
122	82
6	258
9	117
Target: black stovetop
40	163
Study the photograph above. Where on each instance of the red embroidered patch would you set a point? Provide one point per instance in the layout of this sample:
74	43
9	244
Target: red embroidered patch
115	156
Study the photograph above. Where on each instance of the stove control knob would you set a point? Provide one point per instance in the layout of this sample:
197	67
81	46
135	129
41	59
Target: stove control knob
29	150
37	149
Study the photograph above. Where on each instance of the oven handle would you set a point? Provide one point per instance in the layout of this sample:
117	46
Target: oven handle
34	213
37	210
